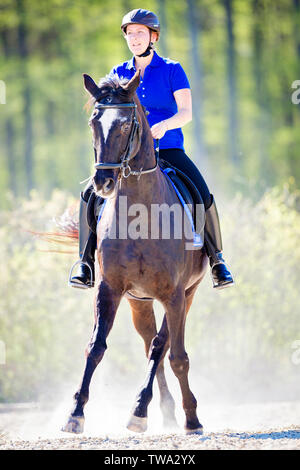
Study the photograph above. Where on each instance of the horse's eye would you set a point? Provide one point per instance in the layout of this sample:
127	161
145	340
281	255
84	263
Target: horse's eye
106	100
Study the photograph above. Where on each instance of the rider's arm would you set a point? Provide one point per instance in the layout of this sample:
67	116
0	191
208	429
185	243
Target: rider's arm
183	100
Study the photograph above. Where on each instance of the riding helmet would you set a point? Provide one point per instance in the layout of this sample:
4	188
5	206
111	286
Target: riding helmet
140	16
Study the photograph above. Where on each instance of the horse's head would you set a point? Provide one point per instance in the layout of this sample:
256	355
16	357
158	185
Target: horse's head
116	129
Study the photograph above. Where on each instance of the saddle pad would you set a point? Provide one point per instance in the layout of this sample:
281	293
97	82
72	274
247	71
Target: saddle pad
187	201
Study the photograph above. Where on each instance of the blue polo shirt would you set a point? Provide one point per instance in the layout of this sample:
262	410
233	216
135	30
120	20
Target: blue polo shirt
161	79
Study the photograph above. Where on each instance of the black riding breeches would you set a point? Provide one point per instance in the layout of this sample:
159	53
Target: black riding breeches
180	160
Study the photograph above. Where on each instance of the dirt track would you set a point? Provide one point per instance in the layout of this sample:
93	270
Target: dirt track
255	426
273	439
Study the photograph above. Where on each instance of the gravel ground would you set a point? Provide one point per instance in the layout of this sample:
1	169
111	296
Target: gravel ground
269	426
271	440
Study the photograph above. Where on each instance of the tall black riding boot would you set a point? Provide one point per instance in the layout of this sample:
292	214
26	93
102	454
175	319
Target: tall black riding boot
213	244
85	276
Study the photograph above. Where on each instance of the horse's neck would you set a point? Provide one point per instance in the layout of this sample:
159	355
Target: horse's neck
145	157
149	185
144	189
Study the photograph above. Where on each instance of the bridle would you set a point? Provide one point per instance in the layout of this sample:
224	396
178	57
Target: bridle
123	165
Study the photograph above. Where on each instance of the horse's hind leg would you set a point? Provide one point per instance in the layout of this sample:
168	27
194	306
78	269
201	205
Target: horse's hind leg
156	346
176	315
167	403
106	304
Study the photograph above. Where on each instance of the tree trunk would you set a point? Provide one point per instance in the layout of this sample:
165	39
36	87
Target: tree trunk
197	84
27	95
261	93
231	80
296	4
9	127
163	22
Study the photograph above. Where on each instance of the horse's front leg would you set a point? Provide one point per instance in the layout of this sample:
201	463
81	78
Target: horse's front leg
138	419
106	305
176	308
145	324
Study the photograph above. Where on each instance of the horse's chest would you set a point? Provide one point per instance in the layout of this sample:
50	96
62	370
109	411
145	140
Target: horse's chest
139	269
124	257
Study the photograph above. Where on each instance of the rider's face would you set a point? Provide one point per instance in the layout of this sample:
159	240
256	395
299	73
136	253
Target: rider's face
138	37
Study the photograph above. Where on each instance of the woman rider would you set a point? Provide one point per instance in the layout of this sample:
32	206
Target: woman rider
165	92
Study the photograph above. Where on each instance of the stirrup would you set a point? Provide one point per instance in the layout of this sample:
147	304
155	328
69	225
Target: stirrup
81	286
217	284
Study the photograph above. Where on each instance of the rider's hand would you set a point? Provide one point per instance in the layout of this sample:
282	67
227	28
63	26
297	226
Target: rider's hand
159	130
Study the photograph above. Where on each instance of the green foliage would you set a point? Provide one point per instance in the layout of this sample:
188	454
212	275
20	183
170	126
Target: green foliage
236	337
239	339
34	328
243	336
44	132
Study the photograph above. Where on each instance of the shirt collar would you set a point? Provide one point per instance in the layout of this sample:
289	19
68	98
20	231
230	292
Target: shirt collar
155	62
130	64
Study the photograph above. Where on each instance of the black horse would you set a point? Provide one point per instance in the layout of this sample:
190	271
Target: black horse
145	267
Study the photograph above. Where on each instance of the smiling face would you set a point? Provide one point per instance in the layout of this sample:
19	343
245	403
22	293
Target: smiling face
138	37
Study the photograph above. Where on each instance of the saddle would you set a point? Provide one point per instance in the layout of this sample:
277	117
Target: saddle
185	187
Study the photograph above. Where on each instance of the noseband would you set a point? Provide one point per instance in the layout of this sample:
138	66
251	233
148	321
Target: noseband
123	165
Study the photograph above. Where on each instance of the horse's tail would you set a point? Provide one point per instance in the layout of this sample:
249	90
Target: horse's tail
67	233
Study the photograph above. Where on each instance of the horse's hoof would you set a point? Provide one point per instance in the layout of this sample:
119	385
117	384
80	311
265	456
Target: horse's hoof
198	430
137	424
75	424
170	425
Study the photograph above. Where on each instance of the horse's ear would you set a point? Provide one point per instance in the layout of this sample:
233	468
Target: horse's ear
90	85
132	85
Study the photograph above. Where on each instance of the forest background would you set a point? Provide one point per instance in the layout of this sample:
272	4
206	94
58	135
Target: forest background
242	58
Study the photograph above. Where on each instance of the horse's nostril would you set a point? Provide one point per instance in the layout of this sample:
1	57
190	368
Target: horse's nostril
103	184
108	185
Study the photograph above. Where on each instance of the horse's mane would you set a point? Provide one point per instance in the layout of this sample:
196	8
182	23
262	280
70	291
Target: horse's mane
114	84
113	81
67	224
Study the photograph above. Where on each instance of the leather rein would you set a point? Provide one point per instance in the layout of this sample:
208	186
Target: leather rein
123	165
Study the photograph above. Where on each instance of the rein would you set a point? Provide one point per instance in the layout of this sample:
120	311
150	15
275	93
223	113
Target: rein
123	165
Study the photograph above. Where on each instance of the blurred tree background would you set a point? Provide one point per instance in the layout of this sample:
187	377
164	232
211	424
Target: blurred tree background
241	57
